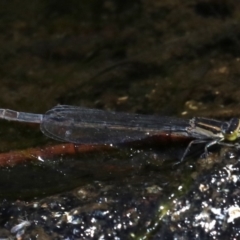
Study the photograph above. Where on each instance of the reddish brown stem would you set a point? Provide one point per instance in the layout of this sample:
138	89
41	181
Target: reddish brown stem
15	157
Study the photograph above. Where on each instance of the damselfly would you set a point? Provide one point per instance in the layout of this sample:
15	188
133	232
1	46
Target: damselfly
91	126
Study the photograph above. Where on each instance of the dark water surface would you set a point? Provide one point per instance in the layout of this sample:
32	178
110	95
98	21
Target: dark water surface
154	57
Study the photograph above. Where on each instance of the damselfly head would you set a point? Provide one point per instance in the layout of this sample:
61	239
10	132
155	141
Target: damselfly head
231	129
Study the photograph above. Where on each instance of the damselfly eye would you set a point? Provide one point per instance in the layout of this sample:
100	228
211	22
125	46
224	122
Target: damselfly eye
234	122
231	126
225	127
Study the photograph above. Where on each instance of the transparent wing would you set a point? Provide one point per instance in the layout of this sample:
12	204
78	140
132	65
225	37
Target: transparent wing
82	125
